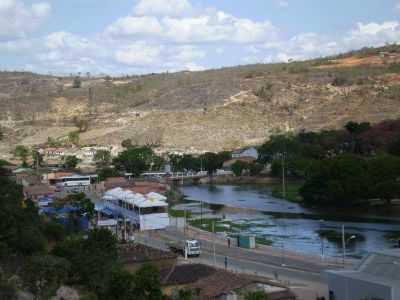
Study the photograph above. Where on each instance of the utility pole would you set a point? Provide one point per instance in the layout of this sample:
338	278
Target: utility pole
283	176
213	230
343	246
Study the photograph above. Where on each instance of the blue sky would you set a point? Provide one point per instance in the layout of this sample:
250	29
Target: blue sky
141	36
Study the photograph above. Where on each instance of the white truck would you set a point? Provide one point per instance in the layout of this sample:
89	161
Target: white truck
186	247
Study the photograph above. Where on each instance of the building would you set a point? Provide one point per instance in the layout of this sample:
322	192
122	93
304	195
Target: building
377	277
248	152
215	284
147	212
34	192
115	182
246	159
134	255
55	152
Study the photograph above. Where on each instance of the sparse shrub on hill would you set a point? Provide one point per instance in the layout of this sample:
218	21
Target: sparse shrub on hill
340	81
82	124
296	68
391	92
77	83
265	91
395	68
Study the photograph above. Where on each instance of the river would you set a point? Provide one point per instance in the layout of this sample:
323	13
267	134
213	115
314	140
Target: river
251	209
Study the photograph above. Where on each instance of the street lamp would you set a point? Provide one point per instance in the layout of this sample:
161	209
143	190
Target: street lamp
322	239
344	242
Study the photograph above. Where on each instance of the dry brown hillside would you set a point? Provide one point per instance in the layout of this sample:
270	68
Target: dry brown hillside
197	111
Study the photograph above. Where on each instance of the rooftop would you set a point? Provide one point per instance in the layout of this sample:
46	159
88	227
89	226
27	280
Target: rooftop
379	267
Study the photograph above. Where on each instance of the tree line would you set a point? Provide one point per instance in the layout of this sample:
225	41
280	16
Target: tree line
340	167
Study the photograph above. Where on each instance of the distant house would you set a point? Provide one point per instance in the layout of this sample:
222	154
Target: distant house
377	277
34	192
114	182
215	284
54	152
247	159
248	152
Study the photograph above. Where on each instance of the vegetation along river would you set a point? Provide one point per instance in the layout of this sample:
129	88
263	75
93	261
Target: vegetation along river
251	209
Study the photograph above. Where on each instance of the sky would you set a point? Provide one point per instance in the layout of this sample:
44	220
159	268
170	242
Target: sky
119	37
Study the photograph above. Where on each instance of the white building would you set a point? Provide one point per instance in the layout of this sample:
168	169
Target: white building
149	211
377	277
248	152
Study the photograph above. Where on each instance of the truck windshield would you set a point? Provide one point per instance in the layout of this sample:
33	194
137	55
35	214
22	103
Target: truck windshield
194	243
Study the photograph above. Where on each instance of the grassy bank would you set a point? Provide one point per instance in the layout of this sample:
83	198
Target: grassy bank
230	228
292	191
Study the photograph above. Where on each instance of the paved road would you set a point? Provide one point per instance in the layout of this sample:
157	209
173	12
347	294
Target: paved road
302	273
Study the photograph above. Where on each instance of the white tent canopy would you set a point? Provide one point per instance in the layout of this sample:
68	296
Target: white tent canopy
150	200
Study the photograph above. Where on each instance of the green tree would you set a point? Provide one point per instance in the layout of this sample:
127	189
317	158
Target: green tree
43	275
37	158
91	259
73	137
102	158
127	143
185	294
7	290
255	169
258	295
84	204
388	190
107	172
134	160
71	162
52	142
147	283
22	153
357	128
238	167
394	147
340	181
121	286
77	83
20	224
211	162
54	231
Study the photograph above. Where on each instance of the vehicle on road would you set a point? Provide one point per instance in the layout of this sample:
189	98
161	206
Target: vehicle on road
190	247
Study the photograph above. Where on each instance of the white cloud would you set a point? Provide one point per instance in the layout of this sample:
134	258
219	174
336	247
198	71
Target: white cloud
18	19
374	34
189	53
194	67
135	26
138	54
283	3
41	10
218	27
208	26
162	7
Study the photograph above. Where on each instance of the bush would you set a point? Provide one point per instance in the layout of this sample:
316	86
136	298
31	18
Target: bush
77	83
265	92
341	81
238	167
255	169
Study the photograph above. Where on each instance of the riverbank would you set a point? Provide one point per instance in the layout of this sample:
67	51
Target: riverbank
292	187
238	180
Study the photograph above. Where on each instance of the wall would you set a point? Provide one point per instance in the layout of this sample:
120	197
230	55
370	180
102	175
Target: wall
355	289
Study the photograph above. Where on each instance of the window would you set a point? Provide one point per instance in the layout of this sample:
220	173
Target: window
332	295
153	210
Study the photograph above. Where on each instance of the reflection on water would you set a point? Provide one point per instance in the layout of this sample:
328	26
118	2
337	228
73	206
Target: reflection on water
252	209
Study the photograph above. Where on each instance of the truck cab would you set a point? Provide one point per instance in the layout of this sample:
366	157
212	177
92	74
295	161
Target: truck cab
186	247
192	247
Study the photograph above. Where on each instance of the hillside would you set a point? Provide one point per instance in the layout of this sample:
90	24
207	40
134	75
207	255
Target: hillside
210	110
